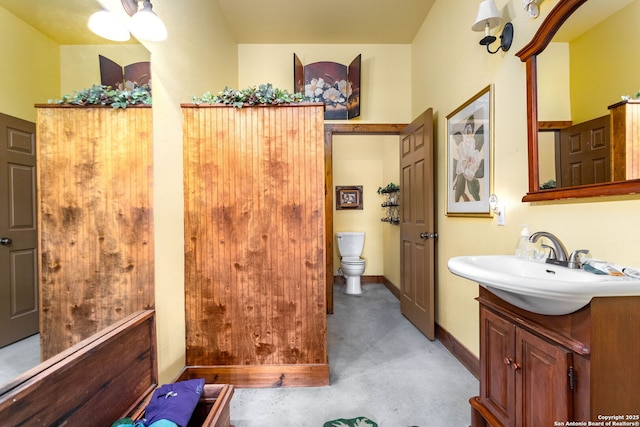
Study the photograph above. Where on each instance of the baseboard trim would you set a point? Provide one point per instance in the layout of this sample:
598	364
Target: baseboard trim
392	288
460	352
260	376
363	279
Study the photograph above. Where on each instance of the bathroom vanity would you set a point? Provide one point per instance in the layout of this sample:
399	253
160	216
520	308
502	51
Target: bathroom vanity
545	370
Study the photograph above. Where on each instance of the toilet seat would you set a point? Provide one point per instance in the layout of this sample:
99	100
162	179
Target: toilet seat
352	265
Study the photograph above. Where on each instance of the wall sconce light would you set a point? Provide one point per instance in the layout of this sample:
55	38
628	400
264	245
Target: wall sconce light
144	24
531	6
489	18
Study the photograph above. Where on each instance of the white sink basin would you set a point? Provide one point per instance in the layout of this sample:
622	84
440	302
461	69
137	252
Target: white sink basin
539	287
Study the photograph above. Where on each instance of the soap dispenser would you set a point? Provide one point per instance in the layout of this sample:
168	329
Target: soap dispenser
524	248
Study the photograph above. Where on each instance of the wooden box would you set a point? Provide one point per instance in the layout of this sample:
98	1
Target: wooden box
212	410
109	376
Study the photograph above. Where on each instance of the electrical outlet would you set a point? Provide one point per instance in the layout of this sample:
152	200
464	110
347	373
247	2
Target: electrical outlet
501	220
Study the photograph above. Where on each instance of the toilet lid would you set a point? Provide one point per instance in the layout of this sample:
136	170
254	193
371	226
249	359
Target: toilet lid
352	260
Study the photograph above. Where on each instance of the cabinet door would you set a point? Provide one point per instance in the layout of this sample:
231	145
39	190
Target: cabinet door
542	382
497	376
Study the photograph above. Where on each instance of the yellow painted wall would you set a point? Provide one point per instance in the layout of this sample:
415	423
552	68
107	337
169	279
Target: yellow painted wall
554	96
609	48
606	226
554	102
29	69
391	233
80	66
547	156
361	160
582	69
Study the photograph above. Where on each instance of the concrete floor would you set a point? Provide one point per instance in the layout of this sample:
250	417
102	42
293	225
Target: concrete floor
381	367
19	357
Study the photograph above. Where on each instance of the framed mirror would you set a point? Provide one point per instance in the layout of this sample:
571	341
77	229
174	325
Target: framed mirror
35	35
556	44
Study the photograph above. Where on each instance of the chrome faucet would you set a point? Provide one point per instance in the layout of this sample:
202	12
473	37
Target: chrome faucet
557	252
574	259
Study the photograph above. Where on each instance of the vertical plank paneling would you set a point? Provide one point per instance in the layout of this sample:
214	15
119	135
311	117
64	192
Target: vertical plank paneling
625	140
96	223
254	224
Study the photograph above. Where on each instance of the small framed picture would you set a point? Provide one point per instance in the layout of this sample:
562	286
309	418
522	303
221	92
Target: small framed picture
470	156
349	197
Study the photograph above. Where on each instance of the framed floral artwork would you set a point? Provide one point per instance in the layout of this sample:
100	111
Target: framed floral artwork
470	156
349	197
336	85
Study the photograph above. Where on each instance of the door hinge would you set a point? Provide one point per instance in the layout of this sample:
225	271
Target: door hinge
572	378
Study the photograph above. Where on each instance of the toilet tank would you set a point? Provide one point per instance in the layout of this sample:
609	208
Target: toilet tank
350	243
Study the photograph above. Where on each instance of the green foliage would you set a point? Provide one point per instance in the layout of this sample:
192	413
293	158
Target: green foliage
390	188
630	97
264	94
106	95
549	184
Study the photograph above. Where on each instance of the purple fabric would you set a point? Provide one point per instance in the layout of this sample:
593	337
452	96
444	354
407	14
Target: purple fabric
174	402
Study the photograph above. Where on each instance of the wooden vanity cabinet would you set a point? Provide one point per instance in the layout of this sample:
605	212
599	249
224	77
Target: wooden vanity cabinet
538	370
525	377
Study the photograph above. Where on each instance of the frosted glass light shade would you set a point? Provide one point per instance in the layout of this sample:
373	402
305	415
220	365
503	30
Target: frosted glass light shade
145	25
104	24
488	15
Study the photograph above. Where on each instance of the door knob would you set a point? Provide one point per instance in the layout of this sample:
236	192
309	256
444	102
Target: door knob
427	236
5	241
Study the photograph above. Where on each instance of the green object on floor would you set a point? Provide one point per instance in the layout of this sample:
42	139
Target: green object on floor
354	422
123	422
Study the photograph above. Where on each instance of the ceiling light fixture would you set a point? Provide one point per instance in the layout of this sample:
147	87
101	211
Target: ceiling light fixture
144	24
489	18
104	24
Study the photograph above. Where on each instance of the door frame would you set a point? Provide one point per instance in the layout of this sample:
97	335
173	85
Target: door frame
329	131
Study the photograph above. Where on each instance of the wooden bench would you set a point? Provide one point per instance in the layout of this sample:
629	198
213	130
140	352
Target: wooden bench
109	376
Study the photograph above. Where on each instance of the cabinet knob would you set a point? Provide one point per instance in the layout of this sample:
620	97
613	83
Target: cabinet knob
510	362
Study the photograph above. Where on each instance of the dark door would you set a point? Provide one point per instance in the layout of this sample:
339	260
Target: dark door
417	224
585	153
18	230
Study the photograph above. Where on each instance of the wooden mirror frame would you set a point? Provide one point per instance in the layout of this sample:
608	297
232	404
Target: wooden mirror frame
529	54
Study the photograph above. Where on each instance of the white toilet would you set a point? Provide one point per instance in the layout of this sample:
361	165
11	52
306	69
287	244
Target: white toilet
350	244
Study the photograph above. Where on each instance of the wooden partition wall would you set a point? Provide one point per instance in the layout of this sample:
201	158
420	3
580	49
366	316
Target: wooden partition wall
625	140
255	243
95	219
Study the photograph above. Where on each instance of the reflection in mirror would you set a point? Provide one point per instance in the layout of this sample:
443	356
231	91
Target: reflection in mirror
571	83
48	51
575	87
